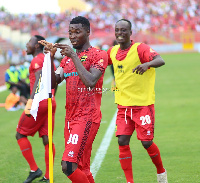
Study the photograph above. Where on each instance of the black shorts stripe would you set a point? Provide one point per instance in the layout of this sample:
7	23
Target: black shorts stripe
84	140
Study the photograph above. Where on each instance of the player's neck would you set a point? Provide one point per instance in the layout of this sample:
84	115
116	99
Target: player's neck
84	47
124	46
37	52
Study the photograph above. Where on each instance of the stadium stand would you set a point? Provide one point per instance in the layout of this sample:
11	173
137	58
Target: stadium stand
154	21
6	45
147	16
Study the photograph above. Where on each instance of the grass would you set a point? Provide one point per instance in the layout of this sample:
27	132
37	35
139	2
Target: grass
176	131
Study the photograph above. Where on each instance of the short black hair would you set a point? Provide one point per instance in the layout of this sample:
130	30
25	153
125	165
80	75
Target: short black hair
126	21
39	38
81	20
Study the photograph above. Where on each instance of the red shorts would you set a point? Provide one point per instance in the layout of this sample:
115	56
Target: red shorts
28	126
139	118
79	137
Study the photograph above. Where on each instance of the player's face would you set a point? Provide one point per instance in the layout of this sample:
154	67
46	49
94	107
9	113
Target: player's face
122	32
30	46
78	35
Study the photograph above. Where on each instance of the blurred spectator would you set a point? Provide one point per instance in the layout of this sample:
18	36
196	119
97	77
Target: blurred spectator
12	79
165	16
24	75
14	102
9	55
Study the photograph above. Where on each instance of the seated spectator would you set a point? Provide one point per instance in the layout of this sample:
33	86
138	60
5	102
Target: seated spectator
15	102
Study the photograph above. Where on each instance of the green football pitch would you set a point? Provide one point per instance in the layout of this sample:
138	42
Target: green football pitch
177	131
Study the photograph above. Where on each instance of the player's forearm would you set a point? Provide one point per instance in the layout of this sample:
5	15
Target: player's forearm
156	62
53	76
37	77
87	78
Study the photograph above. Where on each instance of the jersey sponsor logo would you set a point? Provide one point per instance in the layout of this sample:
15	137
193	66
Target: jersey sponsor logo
70	74
83	58
71	153
145	119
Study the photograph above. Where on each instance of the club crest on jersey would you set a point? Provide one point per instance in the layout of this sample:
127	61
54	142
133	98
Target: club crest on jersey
36	66
83	58
120	69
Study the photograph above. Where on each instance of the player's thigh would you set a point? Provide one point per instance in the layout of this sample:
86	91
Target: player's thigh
27	125
145	121
76	137
124	124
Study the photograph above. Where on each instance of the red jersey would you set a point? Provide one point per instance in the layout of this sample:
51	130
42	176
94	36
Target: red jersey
82	102
36	64
145	53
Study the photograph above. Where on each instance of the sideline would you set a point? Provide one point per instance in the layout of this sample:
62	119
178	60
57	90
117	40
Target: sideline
105	143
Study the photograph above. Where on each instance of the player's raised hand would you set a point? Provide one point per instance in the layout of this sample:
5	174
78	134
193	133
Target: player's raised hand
140	69
66	50
48	47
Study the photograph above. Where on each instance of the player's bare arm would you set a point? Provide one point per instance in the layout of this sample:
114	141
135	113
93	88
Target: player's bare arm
89	78
29	102
50	47
37	77
156	62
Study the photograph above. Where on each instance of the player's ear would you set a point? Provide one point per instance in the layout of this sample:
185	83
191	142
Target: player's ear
88	32
37	45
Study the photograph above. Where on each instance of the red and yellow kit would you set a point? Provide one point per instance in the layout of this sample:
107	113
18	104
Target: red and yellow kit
134	93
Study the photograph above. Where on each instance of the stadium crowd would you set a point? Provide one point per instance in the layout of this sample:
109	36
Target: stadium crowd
145	15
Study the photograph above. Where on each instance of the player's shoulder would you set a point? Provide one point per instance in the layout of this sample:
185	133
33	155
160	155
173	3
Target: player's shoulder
97	51
37	61
145	47
38	58
142	45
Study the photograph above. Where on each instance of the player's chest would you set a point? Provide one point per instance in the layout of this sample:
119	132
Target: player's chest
70	68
